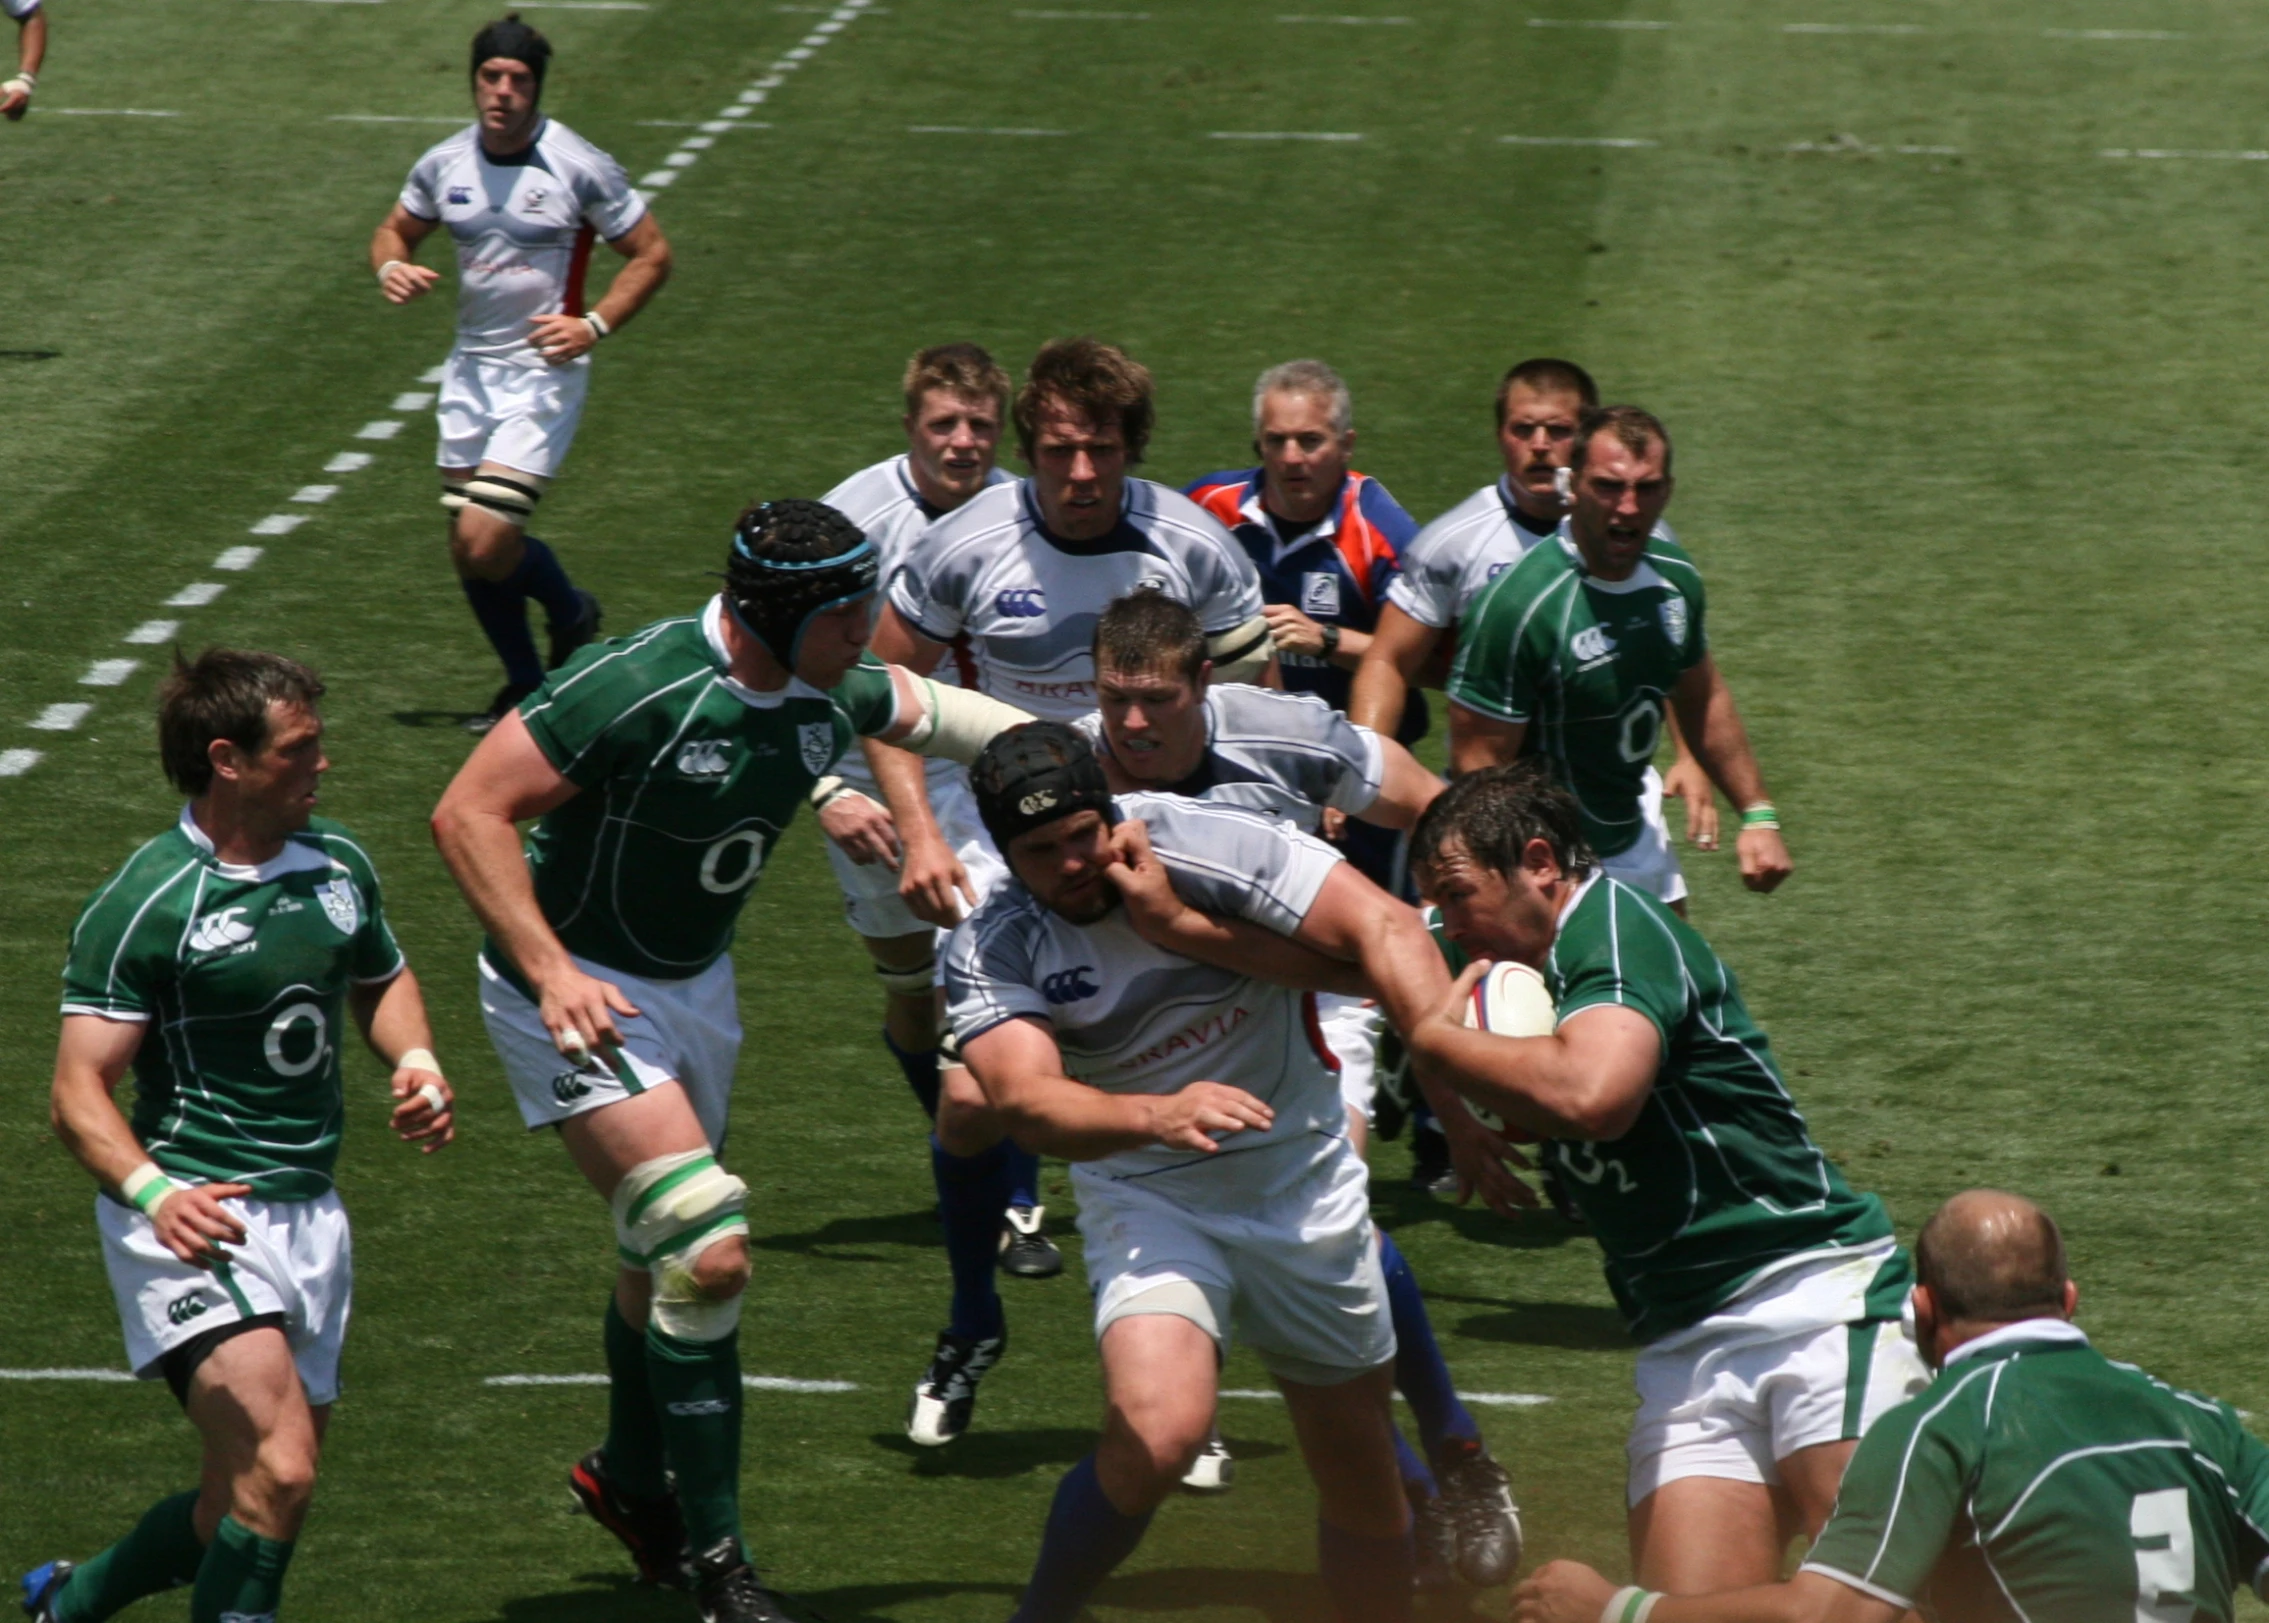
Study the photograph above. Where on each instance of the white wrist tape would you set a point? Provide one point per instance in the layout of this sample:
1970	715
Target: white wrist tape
389	265
958	722
597	324
1630	1604
148	1188
827	789
419	1059
26	82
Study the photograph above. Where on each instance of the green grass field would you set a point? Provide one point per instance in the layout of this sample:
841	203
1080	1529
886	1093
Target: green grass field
1968	442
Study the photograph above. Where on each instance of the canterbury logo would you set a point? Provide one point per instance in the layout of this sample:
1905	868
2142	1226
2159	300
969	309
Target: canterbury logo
1038	801
1022	603
217	931
702	1406
1069	985
184	1308
704	758
1591	643
567	1087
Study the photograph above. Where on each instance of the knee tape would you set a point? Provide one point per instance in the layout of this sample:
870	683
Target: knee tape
667	1212
1241	653
453	493
914	982
512	498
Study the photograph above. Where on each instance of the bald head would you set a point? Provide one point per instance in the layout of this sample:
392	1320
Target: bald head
1992	1258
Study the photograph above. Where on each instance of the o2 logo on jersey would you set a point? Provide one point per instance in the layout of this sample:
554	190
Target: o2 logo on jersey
460	195
1319	593
1069	985
1591	643
1021	603
704	758
286	1026
1674	620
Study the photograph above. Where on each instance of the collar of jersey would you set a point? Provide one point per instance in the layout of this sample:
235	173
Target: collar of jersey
294	857
1116	539
1513	514
516	160
712	633
2025	1332
1569	906
1253	511
1645	577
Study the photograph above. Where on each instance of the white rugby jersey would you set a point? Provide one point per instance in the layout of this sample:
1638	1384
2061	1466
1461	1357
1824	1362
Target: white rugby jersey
1027	601
1286	754
19	9
1129	1017
524	228
884	501
1454	559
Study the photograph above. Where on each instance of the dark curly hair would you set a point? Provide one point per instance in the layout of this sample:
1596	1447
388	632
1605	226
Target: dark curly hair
1099	381
1494	813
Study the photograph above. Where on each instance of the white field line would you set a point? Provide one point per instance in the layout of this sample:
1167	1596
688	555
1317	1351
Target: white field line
1281	135
1852	28
195	595
1083	16
109	673
238	558
1574	141
586	5
65	1375
111	112
2171	152
754	1383
314	493
383	428
391	118
1596	22
152	631
1492	1400
348	462
279	524
15	763
2112	33
61	718
1353	22
432	374
971	129
415	400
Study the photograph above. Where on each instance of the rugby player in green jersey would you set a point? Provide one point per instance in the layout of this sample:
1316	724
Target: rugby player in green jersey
219	965
661	770
1766	1292
1573	652
2034	1479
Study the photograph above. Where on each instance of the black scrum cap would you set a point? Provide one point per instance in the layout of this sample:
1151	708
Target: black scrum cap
1035	773
509	36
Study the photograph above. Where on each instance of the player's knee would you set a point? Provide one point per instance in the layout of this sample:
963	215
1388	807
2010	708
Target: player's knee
284	1476
720	1272
1165	1444
682	1217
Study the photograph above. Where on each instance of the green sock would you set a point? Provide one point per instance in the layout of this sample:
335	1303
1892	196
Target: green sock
633	1448
161	1553
697	1388
241	1579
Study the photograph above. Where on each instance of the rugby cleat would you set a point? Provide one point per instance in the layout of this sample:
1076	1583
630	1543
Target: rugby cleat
41	1585
1026	1251
727	1590
1215	1468
1436	1537
566	639
507	700
1479	1499
947	1396
650	1529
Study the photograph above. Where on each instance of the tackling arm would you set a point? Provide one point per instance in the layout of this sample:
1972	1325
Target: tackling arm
1021	1070
1407	789
392	246
1391	664
391	1015
1163	919
1478	741
1587	1081
1711	725
1569	1592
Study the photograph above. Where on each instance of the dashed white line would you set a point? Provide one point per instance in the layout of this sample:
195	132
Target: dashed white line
237	559
196	594
659	178
113	112
64	1374
971	129
1494	1400
385	428
279	524
109	673
1850	144
1596	22
314	493
586	5
1352	22
152	631
1574	141
682	160
348	462
1085	16
60	718
415	400
1852	28
2113	33
2171	152
389	118
14	764
1280	135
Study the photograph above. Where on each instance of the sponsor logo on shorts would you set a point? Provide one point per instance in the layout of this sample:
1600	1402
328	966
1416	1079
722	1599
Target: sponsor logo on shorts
815	741
1069	985
1592	643
340	904
217	932
1319	593
702	1406
1021	603
705	758
460	194
184	1308
569	1086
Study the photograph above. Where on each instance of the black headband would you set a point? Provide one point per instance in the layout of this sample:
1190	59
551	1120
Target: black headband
510	37
1033	774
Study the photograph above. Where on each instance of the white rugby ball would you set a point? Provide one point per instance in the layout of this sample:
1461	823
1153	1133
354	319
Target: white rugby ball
1513	1001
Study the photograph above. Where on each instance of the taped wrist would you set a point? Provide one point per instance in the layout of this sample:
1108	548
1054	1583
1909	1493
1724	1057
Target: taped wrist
147	1188
667	1212
958	722
1241	653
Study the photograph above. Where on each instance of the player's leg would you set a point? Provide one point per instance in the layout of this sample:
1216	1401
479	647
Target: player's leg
1703	1494
1699	1534
907	967
1363	1527
1828	1388
972	1163
262	1440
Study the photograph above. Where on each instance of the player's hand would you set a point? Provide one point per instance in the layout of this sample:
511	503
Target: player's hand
860	829
932	882
404	281
1562	1592
1764	858
560	339
1204	1112
1479	1156
1688	782
192	1224
1144	884
579	1011
417	1119
15	102
1331	824
1292	631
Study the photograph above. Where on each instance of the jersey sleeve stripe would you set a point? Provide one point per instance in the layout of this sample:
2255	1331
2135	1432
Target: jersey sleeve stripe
1892	1597
569	766
126	936
124	1017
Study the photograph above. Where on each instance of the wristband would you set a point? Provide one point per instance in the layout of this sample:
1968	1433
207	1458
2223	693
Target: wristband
419	1059
826	791
148	1188
389	265
1630	1604
1760	814
598	325
431	1093
1331	639
26	82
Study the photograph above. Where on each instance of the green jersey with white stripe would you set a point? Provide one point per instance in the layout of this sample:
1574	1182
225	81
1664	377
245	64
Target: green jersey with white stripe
1587	665
1718	1179
240	977
689	779
2037	1479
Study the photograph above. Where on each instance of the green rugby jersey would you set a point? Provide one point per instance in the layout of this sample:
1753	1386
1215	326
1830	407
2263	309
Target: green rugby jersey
1588	665
2036	1479
240	976
689	779
1718	1179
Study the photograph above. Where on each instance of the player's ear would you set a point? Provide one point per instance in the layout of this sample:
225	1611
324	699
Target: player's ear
226	759
2071	1299
1925	1323
1538	862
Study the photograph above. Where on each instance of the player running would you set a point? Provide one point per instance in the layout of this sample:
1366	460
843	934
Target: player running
1765	1292
1586	640
956	402
2035	1478
523	195
661	770
236	943
1207	1205
1014	581
30	18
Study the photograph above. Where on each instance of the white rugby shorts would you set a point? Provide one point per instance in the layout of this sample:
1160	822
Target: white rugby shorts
870	891
1651	862
1293	1270
521	416
297	1259
685	1031
1351	1027
1791	1363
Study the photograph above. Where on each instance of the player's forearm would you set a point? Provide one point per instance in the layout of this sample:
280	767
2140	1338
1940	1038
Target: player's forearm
1401	964
392	1017
1809	1597
1055	1115
1408	789
1250	949
1710	723
31	43
905	791
388	245
90	1125
640	278
482	852
1378	697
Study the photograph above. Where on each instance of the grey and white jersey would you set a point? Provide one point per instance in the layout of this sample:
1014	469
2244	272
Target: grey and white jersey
1027	601
1454	558
1286	754
1129	1017
19	9
884	501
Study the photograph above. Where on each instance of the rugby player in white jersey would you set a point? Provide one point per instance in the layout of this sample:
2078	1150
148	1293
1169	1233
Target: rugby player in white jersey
1219	1192
259	926
1016	579
524	197
31	51
956	404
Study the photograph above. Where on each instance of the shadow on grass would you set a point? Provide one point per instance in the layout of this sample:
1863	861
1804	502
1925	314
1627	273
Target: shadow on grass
994	1454
876	1603
918	1228
436	718
1578	1326
1278	1597
603	1597
1396	1206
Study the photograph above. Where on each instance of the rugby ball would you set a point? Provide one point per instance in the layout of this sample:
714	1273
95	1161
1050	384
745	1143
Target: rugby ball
1513	1001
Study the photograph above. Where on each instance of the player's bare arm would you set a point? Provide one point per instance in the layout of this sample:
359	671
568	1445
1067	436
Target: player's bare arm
1685	780
1407	787
1394	657
393	250
1711	725
561	338
506	782
860	828
1021	1070
1294	633
1478	741
1569	1592
1163	919
391	1017
90	1061
931	879
1587	1081
31	51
